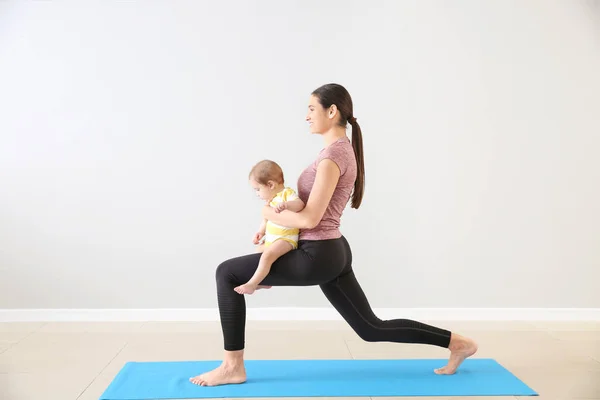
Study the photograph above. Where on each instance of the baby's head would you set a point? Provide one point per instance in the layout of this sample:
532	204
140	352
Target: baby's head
266	178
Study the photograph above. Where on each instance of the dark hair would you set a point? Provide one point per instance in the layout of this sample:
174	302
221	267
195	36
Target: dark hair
334	93
265	171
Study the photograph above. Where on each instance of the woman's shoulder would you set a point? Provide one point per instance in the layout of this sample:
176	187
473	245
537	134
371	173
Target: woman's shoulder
340	152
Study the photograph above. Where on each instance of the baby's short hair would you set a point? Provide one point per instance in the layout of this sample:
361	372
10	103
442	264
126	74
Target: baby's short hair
265	171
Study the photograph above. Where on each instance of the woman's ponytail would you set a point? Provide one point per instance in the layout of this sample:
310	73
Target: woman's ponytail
357	145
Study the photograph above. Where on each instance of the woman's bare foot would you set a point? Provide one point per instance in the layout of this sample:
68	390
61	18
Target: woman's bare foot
222	375
263	287
460	348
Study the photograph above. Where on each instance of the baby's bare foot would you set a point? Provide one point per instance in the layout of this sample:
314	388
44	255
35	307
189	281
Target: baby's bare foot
245	289
460	349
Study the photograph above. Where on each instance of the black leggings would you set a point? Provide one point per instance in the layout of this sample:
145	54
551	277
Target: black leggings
327	263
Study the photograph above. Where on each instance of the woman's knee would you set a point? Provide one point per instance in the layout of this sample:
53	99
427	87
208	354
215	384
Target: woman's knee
368	332
223	270
368	327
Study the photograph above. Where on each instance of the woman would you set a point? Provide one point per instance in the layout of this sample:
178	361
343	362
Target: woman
323	257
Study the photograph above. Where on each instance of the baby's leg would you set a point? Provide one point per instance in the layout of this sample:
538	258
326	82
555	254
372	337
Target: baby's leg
259	249
268	257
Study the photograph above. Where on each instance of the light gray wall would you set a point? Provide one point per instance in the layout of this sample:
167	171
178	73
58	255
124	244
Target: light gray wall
128	130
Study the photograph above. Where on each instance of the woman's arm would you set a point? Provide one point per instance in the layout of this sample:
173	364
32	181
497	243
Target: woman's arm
326	179
294	205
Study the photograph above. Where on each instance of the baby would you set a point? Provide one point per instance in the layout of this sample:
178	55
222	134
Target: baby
266	178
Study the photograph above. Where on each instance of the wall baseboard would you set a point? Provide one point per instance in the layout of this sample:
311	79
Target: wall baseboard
299	314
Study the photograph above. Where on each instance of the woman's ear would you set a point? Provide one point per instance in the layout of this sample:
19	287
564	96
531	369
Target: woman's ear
333	111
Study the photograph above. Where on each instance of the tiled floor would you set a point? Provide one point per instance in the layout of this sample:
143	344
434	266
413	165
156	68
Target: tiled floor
77	361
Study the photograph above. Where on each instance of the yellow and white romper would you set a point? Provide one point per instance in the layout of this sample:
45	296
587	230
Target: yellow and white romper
276	232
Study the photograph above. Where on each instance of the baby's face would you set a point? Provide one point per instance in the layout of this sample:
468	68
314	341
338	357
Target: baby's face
263	192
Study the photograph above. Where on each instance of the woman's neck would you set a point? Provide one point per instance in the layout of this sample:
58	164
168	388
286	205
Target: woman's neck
333	135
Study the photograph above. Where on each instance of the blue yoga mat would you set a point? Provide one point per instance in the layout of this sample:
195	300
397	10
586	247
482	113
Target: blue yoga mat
317	378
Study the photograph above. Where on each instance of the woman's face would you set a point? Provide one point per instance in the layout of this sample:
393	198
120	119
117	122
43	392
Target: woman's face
319	119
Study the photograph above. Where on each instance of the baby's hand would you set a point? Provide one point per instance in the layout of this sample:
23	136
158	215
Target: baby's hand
257	237
281	206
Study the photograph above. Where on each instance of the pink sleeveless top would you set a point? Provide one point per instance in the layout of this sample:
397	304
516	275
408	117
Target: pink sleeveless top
342	153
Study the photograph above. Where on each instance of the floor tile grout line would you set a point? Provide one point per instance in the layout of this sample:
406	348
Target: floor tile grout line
143	325
33	332
13	344
102	370
574	353
348	347
41	326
